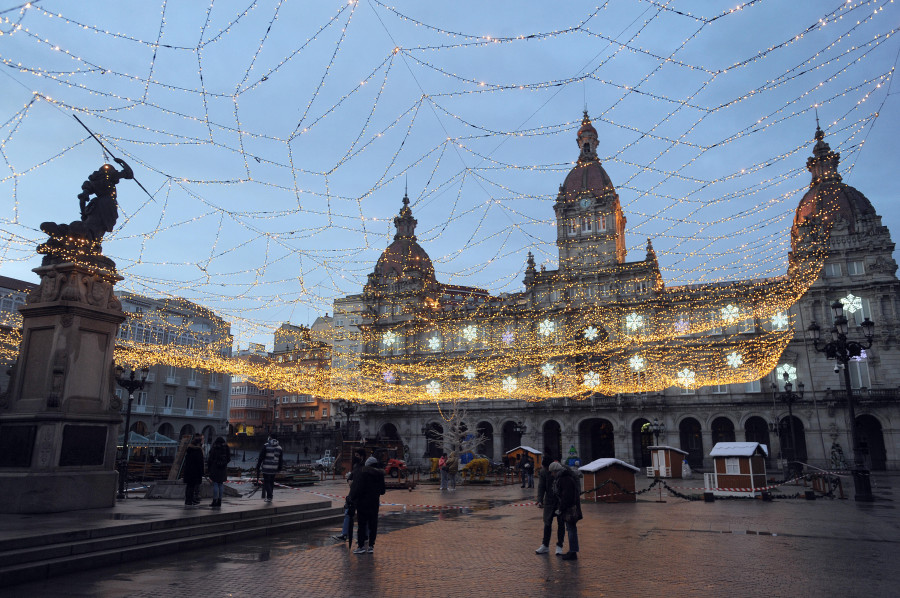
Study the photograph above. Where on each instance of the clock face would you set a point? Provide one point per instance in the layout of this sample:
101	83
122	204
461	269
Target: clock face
586	202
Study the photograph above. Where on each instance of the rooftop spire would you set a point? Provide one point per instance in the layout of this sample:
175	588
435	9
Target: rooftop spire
405	223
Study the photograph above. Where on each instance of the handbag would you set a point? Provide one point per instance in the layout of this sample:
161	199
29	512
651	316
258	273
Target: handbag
572	514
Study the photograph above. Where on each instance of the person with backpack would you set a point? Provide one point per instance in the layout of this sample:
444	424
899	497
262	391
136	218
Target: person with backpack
365	495
270	461
567	488
217	468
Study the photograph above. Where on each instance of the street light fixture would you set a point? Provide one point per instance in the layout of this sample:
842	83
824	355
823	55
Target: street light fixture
349	409
657	427
520	428
842	351
789	397
130	385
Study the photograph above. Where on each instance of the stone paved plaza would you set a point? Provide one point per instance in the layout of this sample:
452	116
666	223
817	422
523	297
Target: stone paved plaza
787	547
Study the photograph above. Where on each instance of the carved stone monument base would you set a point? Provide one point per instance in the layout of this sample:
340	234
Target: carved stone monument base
60	420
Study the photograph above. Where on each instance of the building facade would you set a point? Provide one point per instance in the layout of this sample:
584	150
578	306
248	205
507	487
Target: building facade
614	348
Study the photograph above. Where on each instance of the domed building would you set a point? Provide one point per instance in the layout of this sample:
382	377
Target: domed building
616	329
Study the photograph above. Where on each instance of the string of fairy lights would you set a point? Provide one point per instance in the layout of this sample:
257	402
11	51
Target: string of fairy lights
276	143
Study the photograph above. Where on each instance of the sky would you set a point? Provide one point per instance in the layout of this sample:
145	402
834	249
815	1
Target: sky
275	140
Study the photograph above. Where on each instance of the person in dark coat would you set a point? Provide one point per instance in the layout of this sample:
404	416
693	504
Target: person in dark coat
567	488
365	494
549	501
270	461
192	471
217	468
356	463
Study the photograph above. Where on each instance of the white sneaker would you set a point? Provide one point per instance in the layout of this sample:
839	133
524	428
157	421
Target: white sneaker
559	551
542	550
360	550
371	550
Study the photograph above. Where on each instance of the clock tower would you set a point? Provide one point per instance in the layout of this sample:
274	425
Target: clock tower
590	226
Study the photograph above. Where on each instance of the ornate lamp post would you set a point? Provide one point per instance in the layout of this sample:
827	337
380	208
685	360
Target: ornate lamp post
520	428
842	351
657	427
789	396
349	409
130	385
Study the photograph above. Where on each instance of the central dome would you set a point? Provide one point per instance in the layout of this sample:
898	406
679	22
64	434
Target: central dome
587	178
404	258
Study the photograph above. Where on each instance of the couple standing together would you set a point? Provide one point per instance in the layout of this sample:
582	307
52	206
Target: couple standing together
559	496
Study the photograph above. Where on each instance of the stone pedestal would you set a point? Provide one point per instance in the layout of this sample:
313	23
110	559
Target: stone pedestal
60	420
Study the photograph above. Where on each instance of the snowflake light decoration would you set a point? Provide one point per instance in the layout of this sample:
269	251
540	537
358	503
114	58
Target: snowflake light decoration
734	359
470	332
592	379
388	376
509	384
730	314
469	372
786	368
634	321
546	327
508	337
548	370
682	325
389	339
637	363
780	321
852	303
591	333
433	387
434	343
686	378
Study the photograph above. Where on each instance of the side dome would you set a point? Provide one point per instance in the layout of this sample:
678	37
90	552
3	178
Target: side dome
587	178
828	197
404	258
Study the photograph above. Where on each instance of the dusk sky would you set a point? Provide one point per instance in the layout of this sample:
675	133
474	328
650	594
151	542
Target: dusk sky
276	138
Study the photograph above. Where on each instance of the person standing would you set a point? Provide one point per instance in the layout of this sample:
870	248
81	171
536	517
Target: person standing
365	494
192	471
442	466
452	470
549	501
271	460
217	468
528	471
358	460
569	507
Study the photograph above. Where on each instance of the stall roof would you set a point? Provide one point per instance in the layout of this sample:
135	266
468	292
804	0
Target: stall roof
737	449
159	440
134	439
604	463
529	449
668	448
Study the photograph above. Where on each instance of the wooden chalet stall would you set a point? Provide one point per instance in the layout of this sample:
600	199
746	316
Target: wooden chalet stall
597	473
739	469
518	453
666	462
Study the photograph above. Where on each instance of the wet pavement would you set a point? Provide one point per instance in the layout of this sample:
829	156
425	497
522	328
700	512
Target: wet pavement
480	540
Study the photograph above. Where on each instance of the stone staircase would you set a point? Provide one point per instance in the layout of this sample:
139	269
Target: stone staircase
42	556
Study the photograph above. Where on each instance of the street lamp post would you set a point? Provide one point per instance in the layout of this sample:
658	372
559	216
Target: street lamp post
842	351
657	427
789	396
349	409
130	384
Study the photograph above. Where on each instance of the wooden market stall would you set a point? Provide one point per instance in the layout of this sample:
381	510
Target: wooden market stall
618	474
518	453
666	462
739	469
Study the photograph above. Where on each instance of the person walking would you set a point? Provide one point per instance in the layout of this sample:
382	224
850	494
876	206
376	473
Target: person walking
365	494
270	461
548	501
452	470
192	472
217	468
567	489
442	466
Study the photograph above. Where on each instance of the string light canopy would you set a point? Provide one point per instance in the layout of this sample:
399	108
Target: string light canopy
273	140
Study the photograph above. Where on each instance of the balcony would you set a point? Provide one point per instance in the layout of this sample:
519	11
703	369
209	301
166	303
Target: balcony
193	382
173	380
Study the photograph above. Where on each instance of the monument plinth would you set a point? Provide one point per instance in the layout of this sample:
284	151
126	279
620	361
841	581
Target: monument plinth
60	420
